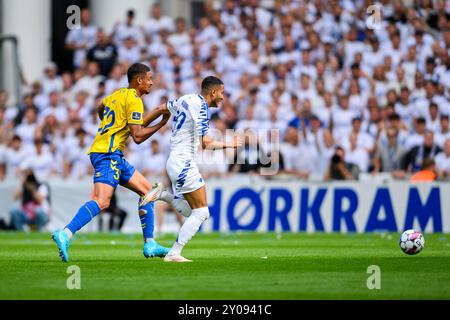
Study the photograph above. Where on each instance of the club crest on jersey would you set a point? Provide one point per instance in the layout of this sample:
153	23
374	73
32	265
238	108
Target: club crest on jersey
136	116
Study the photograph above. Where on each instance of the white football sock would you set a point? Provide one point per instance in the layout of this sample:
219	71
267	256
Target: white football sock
180	204
176	249
166	196
189	229
68	232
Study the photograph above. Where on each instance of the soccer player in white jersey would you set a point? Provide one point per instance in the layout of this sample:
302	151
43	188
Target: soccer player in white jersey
189	128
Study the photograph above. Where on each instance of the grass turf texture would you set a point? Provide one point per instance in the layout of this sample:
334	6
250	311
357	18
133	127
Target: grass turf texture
226	266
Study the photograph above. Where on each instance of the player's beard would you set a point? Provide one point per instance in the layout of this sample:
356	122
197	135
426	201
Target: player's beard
215	104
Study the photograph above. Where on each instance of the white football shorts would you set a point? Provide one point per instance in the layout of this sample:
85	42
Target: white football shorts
184	175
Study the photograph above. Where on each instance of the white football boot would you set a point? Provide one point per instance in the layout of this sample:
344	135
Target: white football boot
153	195
175	258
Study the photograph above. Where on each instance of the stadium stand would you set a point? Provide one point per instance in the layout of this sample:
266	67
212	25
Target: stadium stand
347	100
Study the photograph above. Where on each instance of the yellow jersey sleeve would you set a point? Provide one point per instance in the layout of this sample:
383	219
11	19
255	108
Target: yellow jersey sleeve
135	110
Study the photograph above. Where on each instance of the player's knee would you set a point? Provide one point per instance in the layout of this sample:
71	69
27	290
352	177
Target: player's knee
102	203
201	213
198	203
207	215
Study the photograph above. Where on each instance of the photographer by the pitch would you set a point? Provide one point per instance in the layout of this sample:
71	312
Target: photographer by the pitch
34	205
338	169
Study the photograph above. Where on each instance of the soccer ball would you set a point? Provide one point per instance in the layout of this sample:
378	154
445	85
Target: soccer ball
412	242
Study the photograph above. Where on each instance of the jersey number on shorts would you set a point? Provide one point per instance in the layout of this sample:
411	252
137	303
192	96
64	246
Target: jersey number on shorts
108	113
179	120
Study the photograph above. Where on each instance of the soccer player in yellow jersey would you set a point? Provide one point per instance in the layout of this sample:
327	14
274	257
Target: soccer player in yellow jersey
122	115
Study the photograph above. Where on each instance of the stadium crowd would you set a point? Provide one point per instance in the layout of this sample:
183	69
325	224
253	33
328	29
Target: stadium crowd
345	98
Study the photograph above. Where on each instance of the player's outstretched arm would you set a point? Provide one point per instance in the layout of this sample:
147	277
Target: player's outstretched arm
209	144
139	133
155	114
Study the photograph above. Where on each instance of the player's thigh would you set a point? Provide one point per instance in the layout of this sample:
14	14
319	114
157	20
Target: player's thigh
132	179
102	194
197	198
138	183
174	168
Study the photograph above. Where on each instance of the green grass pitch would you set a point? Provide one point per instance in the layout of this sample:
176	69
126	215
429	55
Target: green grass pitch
226	266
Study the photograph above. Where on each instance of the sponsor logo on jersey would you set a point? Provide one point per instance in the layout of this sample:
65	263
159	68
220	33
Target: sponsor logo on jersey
136	116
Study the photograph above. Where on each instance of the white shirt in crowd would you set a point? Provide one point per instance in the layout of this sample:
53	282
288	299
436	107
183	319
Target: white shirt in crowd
41	164
413	140
77	156
59	112
112	85
342	120
49	85
359	157
364	141
440	138
442	162
180	41
129	55
86	35
405	112
152	26
155	163
301	157
88	84
124	31
14	159
26	132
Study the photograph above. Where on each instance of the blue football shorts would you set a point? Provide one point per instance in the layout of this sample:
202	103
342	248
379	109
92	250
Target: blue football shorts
111	168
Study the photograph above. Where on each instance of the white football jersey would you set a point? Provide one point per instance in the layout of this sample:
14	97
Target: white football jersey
190	122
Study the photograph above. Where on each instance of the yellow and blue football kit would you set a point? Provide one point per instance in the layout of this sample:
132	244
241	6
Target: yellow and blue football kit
122	108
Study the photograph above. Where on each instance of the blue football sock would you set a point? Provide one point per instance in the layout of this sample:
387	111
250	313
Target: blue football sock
147	216
85	214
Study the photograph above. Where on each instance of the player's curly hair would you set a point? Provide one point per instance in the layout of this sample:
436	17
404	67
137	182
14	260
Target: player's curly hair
135	70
